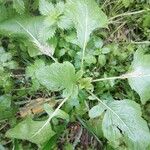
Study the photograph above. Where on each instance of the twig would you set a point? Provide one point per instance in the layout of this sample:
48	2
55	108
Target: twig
104	4
22	89
128	14
140	42
118	28
4	144
1	128
17	75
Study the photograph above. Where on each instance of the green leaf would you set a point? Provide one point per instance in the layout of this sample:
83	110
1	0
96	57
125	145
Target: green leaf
45	7
31	70
5	101
60	114
95	127
26	130
96	111
140	67
28	27
3	12
57	76
123	119
49	32
146	20
59	8
127	3
90	59
1	147
6	109
72	38
5	81
6	60
53	14
102	60
86	16
19	6
65	22
4	56
85	83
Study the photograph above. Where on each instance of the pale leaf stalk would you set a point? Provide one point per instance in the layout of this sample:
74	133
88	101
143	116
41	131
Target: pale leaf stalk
85	42
42	48
51	116
104	4
82	61
118	28
124	76
140	42
128	14
108	108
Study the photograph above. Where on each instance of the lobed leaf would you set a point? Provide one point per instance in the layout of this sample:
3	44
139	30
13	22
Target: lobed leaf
45	7
86	16
28	27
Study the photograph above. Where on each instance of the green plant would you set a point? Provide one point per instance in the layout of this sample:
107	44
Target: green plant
63	53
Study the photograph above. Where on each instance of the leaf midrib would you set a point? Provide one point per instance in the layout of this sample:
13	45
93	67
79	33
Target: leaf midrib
112	112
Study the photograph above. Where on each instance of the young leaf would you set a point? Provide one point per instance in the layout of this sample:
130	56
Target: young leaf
96	111
19	6
30	70
140	66
65	22
86	16
85	83
123	119
6	60
53	14
45	7
27	128
57	76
